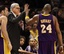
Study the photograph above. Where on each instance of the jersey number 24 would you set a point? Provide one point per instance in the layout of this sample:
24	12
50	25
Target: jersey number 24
46	28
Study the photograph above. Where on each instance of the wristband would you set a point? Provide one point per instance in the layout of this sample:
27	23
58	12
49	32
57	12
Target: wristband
26	17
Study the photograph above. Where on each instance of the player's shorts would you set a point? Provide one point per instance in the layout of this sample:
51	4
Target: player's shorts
47	47
6	49
1	46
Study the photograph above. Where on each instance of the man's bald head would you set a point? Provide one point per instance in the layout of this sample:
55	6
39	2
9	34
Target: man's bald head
47	7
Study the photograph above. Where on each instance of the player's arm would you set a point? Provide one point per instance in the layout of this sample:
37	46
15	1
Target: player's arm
32	20
58	34
13	19
4	31
58	31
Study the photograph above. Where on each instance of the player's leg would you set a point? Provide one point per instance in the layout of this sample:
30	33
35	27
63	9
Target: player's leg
42	47
6	49
51	48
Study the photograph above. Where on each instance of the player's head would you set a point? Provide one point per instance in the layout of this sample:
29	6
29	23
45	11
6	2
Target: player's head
15	8
3	10
47	7
22	40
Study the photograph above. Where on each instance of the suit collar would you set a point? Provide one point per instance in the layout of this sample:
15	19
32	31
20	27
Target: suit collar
14	14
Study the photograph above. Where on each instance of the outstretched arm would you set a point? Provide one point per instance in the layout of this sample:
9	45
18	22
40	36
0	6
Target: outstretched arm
13	19
32	20
21	16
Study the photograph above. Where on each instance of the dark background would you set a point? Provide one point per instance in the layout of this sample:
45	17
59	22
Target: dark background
32	3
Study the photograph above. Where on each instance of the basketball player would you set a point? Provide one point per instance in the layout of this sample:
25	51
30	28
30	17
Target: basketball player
5	44
48	27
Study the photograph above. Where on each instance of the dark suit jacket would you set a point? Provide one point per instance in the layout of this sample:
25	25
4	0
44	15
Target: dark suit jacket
14	29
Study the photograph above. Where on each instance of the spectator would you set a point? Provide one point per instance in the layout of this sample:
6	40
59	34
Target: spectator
22	40
31	47
34	31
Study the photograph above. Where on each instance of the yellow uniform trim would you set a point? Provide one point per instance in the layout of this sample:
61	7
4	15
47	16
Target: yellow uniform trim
55	47
45	14
6	49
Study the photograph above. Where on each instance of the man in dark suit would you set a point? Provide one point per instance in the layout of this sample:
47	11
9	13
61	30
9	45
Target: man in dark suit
13	27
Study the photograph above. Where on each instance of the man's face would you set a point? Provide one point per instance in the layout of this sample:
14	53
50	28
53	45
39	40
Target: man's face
16	9
6	11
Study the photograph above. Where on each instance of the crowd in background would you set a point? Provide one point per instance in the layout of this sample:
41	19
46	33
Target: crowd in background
31	31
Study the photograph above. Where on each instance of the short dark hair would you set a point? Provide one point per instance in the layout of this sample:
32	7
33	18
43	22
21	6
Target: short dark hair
2	7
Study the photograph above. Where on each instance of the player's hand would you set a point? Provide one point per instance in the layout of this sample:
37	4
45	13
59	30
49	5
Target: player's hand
60	50
10	46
